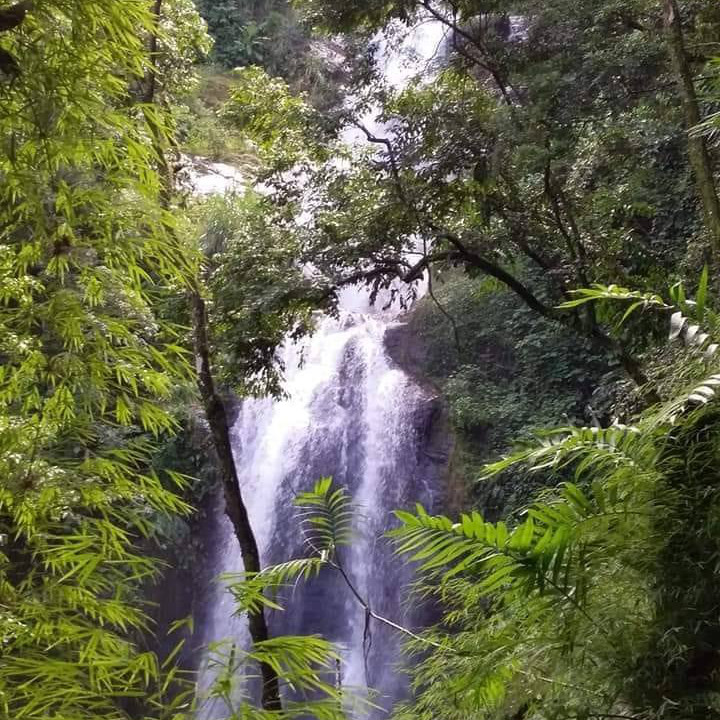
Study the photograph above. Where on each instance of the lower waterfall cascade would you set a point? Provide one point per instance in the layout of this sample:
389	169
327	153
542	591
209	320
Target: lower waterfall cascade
350	413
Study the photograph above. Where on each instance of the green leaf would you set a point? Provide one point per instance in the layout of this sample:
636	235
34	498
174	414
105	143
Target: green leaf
701	296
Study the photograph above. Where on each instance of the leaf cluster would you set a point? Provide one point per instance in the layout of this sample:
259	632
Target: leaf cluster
87	368
579	606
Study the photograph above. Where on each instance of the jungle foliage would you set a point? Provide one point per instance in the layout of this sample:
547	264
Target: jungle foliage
550	156
267	33
539	158
509	373
94	263
88	367
275	301
597	600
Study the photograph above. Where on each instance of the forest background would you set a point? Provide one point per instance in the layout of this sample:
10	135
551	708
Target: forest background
560	180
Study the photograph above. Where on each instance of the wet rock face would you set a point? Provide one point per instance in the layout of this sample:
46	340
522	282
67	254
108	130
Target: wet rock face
407	351
430	420
431	424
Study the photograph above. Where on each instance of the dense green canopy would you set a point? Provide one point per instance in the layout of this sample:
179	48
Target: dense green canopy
551	174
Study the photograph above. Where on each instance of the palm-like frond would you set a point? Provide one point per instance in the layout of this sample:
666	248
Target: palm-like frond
692	335
608	579
546	551
589	448
698	395
249	589
326	517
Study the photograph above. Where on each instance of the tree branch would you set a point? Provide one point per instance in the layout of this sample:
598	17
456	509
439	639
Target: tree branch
490	268
461	254
392	158
485	63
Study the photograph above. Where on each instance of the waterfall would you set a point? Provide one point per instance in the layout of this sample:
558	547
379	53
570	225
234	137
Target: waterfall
350	412
353	414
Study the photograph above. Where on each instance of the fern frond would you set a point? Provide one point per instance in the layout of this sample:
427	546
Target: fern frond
538	553
704	392
326	517
700	395
692	336
592	448
249	589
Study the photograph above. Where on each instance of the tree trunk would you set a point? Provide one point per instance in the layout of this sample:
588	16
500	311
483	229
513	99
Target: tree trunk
150	81
13	16
697	148
234	505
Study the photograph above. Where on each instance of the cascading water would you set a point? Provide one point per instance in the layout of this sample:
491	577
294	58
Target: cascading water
354	414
